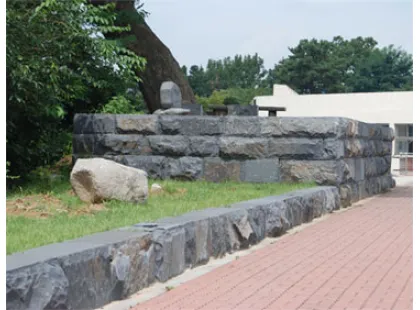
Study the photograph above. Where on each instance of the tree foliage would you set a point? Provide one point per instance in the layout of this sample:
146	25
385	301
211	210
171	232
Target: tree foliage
237	72
338	66
232	95
58	63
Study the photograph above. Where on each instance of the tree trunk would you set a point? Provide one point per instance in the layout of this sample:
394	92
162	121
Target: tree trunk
161	65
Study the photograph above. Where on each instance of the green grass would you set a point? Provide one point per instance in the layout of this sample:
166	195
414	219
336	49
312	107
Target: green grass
63	218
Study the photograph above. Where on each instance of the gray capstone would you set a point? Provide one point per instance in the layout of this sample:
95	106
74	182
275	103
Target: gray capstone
172	111
137	124
170	95
192	125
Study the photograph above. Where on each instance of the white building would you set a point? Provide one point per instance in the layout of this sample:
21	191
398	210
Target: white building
394	109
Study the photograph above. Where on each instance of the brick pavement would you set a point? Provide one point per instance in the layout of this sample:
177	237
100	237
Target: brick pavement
358	259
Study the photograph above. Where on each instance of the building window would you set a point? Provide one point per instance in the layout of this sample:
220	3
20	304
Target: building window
403	139
272	113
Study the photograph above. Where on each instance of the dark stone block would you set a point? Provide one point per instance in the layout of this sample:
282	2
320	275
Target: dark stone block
218	170
155	166
260	171
204	146
296	148
185	168
94	123
83	144
243	126
236	148
333	148
113	144
169	145
323	172
313	127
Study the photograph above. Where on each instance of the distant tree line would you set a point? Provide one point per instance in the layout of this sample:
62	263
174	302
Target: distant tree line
313	67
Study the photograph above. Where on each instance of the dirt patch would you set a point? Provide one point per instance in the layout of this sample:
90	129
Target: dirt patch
46	205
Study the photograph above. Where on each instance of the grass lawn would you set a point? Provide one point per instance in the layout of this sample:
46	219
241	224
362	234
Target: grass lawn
36	216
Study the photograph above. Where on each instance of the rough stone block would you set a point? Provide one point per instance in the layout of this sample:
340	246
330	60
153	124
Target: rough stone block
298	212
236	147
375	131
276	222
42	286
243	126
137	124
323	172
131	265
313	127
202	242
345	195
204	146
169	249
296	148
333	148
239	230
387	133
192	125
218	170
257	220
94	123
356	167
260	171
169	145
218	231
113	144
185	168
354	147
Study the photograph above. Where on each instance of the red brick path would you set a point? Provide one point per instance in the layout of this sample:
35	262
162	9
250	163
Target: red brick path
358	259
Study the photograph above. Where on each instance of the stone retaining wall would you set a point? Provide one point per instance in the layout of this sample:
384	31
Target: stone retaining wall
92	271
354	156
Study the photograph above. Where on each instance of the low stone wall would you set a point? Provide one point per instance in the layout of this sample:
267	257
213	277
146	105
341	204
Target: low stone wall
354	156
92	271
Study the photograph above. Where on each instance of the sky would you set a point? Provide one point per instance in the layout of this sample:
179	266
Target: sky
196	30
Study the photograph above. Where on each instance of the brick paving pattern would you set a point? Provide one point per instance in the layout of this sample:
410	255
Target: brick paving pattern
358	259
